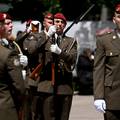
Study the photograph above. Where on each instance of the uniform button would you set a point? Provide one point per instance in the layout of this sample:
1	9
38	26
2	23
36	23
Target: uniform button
110	53
114	37
26	48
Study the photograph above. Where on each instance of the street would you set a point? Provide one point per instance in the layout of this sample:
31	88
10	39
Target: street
83	108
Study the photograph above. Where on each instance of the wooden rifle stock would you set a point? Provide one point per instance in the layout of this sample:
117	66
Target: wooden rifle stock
35	74
21	113
53	73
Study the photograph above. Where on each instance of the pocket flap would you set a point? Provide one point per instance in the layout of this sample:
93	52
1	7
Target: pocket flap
112	53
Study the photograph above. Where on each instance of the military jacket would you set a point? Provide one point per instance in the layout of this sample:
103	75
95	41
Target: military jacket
62	83
107	70
11	83
33	49
62	62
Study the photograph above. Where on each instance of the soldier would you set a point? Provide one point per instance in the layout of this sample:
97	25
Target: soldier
35	48
55	86
11	79
32	26
29	44
9	41
107	71
47	22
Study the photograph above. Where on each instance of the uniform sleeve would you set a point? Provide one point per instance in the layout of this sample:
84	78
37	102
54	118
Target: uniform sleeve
99	69
71	55
15	72
34	43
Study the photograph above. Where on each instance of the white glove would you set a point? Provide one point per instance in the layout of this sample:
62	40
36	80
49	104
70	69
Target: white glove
23	60
100	105
24	74
51	31
28	30
55	49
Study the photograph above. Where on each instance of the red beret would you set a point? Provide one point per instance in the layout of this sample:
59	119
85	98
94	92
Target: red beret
49	16
4	16
1	17
28	22
117	8
60	16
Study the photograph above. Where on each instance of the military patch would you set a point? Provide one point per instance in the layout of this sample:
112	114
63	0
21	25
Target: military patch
16	62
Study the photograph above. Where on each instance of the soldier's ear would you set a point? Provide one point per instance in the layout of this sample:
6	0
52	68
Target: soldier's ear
44	23
113	20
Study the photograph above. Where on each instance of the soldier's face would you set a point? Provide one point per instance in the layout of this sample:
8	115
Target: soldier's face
47	23
60	24
116	20
6	28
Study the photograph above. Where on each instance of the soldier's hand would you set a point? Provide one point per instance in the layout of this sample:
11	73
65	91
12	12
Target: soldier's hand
23	60
51	31
100	105
55	49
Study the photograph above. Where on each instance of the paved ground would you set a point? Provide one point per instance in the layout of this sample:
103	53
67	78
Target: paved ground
83	109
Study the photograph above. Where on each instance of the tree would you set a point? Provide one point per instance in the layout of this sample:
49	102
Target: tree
22	9
52	6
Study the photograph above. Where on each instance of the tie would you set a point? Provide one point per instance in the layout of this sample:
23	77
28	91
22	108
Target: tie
58	40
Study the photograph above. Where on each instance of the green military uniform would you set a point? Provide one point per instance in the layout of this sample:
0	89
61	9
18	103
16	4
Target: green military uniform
107	70
31	47
55	96
60	90
11	84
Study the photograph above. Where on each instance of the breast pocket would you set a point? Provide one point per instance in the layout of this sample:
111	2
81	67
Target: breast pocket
112	60
30	44
112	57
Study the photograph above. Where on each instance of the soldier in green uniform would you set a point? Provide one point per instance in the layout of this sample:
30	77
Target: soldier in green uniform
55	86
29	42
106	72
33	45
11	80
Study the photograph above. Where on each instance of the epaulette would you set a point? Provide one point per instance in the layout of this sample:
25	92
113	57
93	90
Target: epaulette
104	32
108	32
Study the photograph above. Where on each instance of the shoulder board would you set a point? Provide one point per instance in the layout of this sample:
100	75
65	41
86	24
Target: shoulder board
104	32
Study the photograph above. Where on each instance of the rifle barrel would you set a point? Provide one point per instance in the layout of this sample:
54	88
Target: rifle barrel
78	19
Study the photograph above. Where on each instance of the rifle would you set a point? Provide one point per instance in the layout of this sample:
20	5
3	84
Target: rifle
35	74
53	73
78	19
53	63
